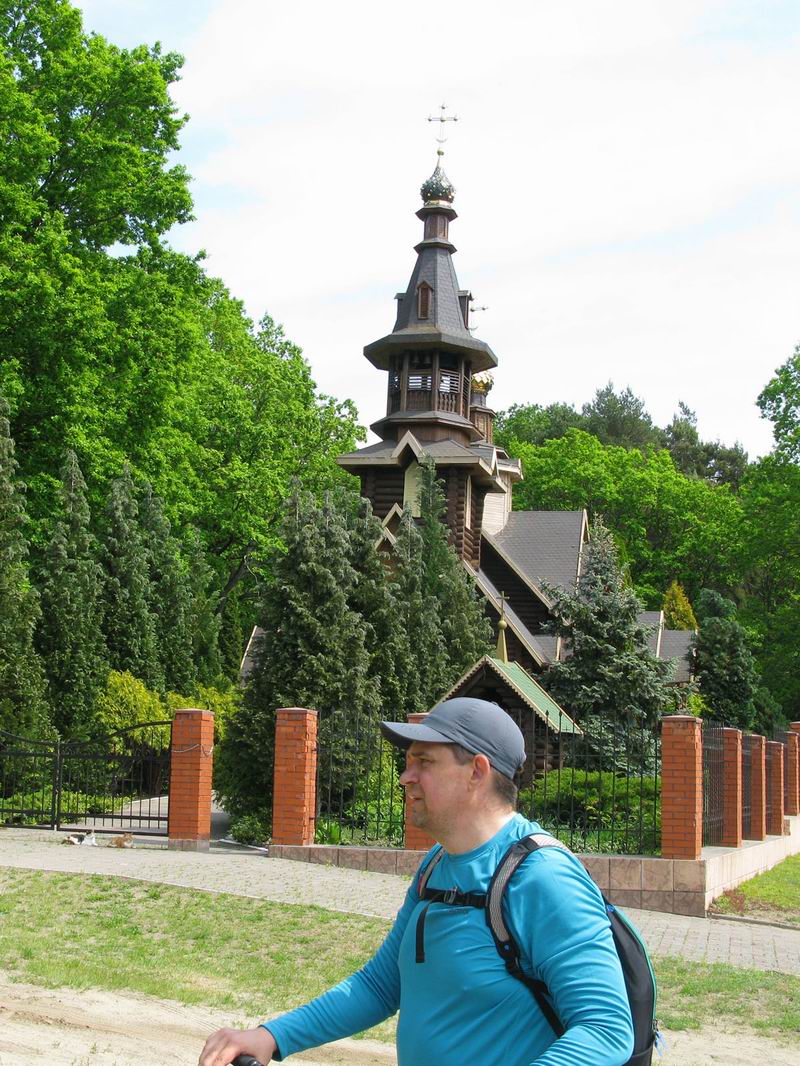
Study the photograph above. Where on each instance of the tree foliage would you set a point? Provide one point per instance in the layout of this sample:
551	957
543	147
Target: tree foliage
71	635
671	526
23	705
779	401
724	665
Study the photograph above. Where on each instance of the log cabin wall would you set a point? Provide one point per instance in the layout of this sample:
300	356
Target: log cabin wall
383	487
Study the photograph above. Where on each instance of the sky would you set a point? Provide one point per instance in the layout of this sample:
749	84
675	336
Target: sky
627	182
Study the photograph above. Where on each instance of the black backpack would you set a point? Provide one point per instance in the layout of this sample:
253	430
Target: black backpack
640	980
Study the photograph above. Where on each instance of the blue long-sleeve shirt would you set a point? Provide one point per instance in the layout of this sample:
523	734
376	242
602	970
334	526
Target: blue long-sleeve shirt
461	1001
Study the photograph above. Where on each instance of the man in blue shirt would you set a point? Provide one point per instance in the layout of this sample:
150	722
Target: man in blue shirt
438	965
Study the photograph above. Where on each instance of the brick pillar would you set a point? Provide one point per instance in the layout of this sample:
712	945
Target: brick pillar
758	790
794	726
191	761
416	839
793	772
681	787
294	796
775	798
731	788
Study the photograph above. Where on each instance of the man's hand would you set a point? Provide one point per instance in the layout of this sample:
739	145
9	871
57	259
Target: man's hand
222	1047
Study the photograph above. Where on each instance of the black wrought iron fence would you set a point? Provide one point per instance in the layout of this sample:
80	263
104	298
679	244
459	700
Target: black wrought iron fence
713	784
115	783
595	785
773	765
747	786
359	799
783	739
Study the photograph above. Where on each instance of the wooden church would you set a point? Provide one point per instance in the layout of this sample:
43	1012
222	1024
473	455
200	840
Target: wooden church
438	384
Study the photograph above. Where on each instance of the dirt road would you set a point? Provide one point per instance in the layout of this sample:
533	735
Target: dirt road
93	1028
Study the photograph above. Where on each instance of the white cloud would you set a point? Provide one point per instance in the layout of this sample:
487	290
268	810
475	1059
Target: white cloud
626	179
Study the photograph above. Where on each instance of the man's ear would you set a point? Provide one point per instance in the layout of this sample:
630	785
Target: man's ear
481	769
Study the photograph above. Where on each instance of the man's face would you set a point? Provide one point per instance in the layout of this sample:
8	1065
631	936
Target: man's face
436	786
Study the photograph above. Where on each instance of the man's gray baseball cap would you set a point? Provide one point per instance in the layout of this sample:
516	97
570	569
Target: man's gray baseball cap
479	726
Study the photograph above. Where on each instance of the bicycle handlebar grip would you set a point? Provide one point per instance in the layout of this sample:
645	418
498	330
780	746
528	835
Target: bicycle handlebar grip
245	1060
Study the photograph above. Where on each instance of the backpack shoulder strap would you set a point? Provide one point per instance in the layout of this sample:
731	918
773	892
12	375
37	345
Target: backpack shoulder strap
426	871
505	943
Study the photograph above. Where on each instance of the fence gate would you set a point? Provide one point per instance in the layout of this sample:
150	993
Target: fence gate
119	783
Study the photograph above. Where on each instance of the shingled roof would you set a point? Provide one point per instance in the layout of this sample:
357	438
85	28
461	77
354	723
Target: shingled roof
542	546
677	644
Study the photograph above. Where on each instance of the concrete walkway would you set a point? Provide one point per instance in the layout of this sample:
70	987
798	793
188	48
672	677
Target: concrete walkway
251	874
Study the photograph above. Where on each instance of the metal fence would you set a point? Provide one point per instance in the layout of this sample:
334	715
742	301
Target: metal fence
359	799
713	784
597	789
114	784
747	786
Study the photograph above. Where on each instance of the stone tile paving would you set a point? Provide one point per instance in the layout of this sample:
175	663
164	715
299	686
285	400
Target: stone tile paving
251	874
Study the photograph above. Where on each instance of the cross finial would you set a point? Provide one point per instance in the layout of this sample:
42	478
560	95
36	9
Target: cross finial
442	118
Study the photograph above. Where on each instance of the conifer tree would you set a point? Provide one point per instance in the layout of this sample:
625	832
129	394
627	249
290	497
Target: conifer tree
129	625
312	654
23	703
71	636
169	593
205	621
610	675
678	613
423	670
724	665
373	597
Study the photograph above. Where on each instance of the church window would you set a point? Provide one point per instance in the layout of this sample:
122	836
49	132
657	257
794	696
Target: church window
411	488
424	300
468	506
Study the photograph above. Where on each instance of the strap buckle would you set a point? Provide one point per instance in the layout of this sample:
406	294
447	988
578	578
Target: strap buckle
450	895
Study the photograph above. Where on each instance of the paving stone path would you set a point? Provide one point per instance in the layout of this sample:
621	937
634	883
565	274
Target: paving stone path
251	874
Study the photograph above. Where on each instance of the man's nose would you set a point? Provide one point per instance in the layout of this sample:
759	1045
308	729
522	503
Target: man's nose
407	776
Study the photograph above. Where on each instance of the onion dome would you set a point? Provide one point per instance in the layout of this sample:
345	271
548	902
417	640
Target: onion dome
438	187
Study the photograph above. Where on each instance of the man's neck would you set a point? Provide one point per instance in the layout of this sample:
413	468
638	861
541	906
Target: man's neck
471	832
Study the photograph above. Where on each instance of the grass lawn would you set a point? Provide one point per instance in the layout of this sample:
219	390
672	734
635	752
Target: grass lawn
774	894
254	957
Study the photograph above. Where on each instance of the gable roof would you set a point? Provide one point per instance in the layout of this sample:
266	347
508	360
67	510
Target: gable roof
542	647
525	688
542	546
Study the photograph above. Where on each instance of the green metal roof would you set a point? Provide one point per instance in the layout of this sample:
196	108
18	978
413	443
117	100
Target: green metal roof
528	690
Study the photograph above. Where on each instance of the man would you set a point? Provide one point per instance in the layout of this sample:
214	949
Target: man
439	965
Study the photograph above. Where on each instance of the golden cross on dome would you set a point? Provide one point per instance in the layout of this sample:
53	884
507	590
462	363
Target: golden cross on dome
442	118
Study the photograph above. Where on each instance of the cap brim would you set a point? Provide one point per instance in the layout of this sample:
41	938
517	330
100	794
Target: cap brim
403	734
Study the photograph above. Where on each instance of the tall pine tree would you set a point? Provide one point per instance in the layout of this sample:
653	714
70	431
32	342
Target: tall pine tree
129	625
23	703
169	594
70	636
724	665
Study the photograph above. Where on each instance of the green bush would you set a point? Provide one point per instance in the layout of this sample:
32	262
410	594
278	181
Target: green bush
328	832
594	800
251	829
126	701
223	702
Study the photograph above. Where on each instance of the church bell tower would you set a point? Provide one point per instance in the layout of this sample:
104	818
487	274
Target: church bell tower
437	381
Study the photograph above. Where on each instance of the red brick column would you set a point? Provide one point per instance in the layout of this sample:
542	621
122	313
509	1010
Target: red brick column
775	800
294	796
681	787
793	772
731	788
758	790
191	760
416	839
